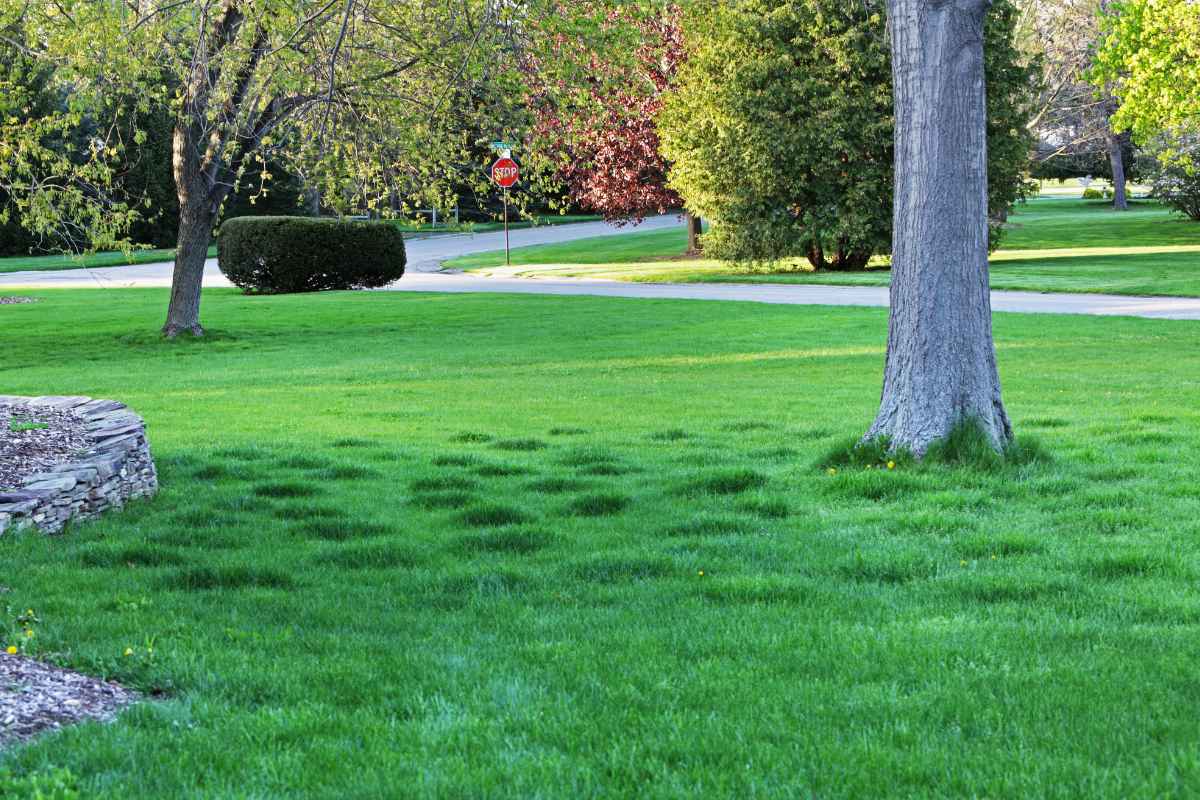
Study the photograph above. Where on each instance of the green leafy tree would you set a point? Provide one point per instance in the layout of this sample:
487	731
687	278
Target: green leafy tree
780	128
1149	58
25	93
358	94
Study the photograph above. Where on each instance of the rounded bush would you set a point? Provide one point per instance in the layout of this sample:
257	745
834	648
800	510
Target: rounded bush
281	255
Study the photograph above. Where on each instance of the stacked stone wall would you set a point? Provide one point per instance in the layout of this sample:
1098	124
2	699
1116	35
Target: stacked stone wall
115	468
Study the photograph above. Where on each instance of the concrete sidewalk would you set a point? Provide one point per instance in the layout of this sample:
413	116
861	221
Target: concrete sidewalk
426	254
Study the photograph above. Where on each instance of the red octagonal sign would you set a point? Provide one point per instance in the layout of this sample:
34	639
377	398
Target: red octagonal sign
505	172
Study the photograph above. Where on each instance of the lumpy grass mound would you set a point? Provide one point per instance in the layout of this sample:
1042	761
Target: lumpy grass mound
285	255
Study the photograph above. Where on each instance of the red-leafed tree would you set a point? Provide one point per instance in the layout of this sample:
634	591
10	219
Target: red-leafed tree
594	112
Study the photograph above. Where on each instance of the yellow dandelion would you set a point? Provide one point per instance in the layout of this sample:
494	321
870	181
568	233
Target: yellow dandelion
12	651
128	651
28	633
831	471
701	573
891	465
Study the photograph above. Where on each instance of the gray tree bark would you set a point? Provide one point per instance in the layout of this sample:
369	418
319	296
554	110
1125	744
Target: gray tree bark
197	215
1116	159
941	361
695	227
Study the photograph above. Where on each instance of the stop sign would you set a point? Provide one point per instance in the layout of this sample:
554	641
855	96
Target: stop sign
505	172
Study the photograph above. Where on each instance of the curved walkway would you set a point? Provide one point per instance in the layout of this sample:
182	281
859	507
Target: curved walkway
426	254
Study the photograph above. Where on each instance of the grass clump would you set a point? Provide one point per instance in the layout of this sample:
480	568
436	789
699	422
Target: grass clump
1131	564
599	504
728	481
516	540
351	442
567	430
380	554
306	511
456	460
442	483
228	578
343	529
555	485
285	490
348	472
489	515
471	437
520	445
304	462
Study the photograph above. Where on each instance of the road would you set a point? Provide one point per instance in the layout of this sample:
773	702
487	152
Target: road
426	254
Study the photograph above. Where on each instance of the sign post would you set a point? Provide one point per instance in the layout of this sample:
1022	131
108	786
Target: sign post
505	174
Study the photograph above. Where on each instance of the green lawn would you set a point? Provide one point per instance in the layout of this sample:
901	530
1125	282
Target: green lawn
1052	245
92	261
520	546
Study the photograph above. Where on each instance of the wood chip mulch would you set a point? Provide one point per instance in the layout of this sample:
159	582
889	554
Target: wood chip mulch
12	301
37	697
28	452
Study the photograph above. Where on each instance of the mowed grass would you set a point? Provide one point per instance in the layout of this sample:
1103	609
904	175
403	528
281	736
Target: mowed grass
1051	245
46	263
519	546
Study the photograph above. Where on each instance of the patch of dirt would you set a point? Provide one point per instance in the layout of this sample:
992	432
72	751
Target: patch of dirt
42	438
37	697
12	301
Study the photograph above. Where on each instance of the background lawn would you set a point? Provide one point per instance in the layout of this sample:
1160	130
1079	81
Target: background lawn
1052	245
431	546
93	261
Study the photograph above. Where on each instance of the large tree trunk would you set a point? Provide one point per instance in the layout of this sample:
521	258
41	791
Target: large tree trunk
941	362
183	312
1116	158
695	227
197	214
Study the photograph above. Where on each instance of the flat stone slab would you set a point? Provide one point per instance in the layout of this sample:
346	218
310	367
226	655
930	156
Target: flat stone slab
114	466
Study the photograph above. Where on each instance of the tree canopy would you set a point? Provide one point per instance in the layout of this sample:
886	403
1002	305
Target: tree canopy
367	100
780	129
1150	58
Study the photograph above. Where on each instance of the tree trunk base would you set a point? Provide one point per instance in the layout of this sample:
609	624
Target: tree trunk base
916	433
170	331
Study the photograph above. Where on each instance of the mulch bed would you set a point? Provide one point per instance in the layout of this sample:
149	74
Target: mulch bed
12	301
28	452
37	697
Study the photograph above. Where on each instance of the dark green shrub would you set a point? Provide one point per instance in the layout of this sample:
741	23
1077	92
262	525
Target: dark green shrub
280	255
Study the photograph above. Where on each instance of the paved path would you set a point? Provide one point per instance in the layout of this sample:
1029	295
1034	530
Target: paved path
425	254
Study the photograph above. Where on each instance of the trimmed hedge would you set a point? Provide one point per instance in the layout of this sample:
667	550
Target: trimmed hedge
281	255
